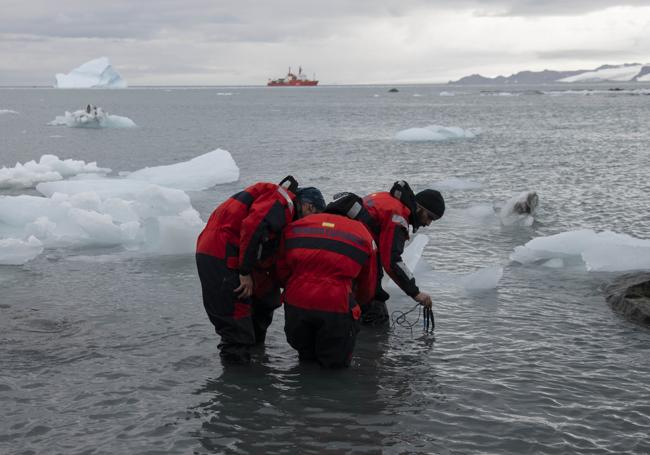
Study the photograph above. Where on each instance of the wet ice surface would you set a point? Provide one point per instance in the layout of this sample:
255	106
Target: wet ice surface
108	351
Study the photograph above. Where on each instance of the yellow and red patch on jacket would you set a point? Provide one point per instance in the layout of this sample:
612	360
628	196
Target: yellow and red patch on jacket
328	225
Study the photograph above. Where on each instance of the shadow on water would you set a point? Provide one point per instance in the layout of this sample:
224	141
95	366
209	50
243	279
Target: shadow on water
301	408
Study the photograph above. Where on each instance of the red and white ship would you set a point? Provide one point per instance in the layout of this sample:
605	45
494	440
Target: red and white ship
293	80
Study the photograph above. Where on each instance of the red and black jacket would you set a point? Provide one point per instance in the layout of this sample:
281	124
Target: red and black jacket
389	224
324	261
244	228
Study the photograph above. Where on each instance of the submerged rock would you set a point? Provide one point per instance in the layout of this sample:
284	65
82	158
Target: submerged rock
630	295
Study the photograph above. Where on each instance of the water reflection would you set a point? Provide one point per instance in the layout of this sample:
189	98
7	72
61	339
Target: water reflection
266	407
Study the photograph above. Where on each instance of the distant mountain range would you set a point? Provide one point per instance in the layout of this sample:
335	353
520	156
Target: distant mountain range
628	72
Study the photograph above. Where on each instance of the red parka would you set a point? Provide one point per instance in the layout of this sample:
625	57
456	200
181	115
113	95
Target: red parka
324	261
243	227
389	225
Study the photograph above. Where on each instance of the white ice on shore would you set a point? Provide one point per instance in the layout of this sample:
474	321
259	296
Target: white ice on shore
199	173
605	251
82	119
49	168
435	133
16	252
93	74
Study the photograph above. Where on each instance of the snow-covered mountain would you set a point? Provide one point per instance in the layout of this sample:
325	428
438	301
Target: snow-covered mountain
628	72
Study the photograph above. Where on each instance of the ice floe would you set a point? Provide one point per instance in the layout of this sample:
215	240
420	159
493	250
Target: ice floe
15	251
48	168
435	133
605	251
199	173
93	210
96	118
7	111
97	73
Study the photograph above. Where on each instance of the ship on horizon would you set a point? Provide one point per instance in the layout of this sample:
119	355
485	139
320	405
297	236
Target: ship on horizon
293	80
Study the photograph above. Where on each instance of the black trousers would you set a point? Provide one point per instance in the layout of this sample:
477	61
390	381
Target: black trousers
241	323
327	338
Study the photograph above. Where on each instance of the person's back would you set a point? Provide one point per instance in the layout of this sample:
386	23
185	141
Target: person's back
323	254
328	264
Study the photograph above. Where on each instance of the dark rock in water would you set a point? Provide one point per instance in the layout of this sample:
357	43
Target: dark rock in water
630	295
393	90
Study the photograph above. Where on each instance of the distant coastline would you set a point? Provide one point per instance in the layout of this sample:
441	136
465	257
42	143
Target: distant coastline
628	72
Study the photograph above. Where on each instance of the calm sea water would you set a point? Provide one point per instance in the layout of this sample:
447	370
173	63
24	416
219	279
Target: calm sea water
116	356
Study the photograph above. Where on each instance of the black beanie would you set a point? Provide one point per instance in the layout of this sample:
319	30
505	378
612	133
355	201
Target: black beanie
432	201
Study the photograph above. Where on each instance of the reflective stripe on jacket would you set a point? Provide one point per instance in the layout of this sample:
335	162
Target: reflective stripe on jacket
390	229
328	263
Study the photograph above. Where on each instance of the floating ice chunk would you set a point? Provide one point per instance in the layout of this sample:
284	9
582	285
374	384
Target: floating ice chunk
49	168
199	173
100	119
455	183
413	251
95	73
555	263
483	279
520	209
17	252
435	133
447	94
604	251
7	111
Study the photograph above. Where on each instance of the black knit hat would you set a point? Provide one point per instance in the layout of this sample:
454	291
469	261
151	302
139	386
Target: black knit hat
312	196
431	200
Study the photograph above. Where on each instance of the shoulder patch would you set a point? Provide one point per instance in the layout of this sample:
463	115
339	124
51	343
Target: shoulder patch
326	224
400	220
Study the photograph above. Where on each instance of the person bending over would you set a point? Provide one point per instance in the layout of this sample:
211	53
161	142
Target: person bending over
328	265
235	253
389	216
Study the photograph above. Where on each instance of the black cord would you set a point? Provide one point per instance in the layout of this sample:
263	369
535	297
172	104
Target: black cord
399	318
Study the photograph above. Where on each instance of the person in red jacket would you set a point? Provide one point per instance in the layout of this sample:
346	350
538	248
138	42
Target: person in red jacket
389	217
328	265
234	257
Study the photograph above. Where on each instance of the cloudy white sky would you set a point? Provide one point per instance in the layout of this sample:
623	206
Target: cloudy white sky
223	42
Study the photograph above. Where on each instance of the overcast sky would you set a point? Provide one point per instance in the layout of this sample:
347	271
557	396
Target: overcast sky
244	42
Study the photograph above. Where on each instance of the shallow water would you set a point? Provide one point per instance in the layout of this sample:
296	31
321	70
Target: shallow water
110	352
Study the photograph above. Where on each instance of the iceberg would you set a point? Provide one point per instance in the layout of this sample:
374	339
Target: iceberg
197	174
95	73
435	133
48	169
605	251
96	118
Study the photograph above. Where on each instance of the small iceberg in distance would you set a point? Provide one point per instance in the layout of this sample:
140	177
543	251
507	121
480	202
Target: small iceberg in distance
435	133
97	73
92	117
